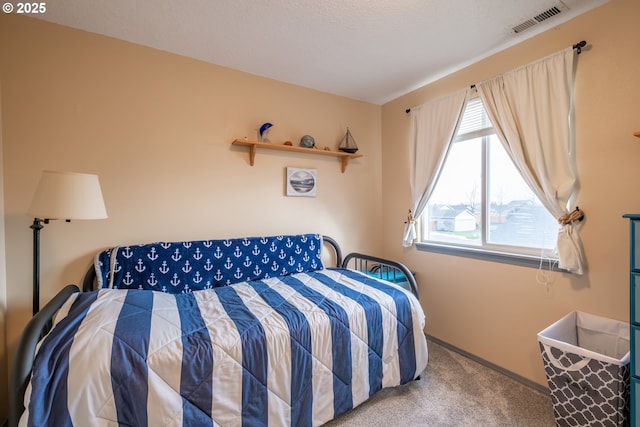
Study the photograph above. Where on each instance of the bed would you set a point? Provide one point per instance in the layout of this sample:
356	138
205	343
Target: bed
249	331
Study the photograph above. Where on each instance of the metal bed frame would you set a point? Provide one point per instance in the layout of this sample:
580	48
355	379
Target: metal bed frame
38	327
391	271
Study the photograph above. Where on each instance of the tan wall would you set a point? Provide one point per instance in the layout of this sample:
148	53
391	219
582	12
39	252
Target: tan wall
494	310
157	129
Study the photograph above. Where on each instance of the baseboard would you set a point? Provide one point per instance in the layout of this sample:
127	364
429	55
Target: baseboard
525	381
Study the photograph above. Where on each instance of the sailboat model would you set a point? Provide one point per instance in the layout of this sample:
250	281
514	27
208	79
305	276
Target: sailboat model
348	144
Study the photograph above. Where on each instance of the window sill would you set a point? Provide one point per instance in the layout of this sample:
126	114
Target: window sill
493	256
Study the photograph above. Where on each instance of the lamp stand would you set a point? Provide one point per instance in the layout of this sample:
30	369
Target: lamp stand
38	224
62	195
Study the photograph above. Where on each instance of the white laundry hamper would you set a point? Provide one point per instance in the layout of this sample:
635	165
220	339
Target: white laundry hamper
586	360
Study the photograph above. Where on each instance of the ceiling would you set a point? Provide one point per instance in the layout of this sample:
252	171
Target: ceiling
368	50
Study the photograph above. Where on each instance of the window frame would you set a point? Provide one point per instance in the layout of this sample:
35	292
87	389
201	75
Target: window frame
522	256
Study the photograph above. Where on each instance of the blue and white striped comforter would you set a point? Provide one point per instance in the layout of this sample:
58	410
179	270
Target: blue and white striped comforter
293	350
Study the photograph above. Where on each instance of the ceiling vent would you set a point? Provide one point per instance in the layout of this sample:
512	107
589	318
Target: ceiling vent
540	17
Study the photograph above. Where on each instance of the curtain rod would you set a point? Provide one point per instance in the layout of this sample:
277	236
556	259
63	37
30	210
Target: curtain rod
578	47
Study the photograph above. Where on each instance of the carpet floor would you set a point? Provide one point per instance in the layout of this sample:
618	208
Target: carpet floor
453	391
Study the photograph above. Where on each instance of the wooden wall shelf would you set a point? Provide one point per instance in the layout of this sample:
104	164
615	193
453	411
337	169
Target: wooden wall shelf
254	145
637	133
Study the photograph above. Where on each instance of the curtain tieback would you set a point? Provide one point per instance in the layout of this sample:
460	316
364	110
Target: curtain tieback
575	215
410	219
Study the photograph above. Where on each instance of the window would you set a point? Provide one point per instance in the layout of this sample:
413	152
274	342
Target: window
481	203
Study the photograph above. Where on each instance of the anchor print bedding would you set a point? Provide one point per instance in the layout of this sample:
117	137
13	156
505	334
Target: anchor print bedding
292	350
177	267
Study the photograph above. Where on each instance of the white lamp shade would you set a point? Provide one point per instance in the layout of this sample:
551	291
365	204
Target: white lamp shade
68	195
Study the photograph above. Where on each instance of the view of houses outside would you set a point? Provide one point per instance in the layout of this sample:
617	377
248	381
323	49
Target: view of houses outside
518	223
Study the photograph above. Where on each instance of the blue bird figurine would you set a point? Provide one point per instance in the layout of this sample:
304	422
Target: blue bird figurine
265	127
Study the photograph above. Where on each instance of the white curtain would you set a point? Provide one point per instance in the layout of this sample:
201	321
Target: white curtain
433	127
530	108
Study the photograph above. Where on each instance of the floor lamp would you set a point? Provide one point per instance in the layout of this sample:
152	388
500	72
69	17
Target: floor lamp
62	195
